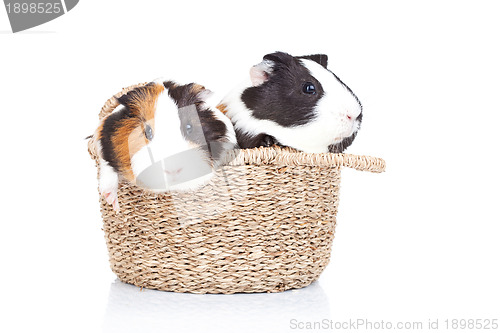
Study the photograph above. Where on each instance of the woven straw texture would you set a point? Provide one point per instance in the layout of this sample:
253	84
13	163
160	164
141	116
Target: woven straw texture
264	223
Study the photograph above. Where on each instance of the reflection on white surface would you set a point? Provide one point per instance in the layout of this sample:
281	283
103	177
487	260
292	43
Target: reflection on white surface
133	310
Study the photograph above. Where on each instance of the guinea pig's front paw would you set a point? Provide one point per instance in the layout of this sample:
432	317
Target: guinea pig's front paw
268	141
108	185
111	197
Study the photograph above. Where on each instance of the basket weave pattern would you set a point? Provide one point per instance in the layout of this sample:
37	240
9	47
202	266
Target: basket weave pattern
264	223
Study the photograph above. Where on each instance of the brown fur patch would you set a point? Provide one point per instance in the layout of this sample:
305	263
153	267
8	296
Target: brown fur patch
129	137
142	101
128	141
222	108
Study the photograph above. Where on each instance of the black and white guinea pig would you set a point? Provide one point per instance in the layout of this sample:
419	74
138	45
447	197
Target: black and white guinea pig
295	102
164	137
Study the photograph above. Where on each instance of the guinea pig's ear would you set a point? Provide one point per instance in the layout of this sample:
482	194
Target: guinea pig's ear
260	72
280	58
321	59
201	92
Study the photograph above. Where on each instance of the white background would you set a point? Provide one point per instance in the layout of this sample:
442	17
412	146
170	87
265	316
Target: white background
418	242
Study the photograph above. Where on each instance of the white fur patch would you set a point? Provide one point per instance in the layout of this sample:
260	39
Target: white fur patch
338	107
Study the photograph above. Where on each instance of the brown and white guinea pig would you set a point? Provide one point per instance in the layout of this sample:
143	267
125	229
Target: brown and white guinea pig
295	102
164	137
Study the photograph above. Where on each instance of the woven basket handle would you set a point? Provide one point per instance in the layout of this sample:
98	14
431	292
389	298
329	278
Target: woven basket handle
286	156
361	162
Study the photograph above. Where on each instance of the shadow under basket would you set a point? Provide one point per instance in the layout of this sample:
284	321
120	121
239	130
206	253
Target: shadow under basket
264	223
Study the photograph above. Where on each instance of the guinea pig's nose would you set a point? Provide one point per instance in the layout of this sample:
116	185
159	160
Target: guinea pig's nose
352	115
173	172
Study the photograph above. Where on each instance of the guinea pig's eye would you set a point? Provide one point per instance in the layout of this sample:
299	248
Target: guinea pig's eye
148	132
309	88
189	129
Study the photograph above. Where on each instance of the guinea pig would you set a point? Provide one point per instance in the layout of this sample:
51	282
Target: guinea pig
164	137
295	102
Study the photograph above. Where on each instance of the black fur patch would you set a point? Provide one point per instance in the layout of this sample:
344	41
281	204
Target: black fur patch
109	128
214	131
280	98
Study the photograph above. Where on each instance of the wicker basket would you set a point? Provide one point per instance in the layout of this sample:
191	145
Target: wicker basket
264	223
